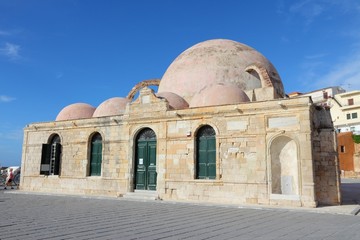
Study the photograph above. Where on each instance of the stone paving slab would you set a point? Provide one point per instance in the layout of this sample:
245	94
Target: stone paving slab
40	216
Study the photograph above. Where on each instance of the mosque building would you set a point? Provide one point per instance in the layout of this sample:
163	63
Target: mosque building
219	129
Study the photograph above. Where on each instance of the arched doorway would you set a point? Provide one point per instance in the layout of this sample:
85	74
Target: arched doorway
145	160
284	166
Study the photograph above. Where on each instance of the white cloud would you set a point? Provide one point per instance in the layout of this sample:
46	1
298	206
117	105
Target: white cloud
308	9
345	74
317	73
4	33
11	51
4	98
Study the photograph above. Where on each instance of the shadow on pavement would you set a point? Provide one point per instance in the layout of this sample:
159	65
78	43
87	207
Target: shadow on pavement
350	190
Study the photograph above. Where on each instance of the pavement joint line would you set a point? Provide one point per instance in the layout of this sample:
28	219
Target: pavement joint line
319	209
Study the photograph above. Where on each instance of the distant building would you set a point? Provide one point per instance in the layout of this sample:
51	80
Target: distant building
322	96
345	111
349	154
14	168
345	114
344	106
219	129
294	94
2	169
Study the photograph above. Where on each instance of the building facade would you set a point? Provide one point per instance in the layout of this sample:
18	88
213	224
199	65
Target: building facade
349	154
345	111
321	97
218	130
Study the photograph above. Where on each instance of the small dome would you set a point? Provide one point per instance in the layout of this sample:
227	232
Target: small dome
110	107
76	111
219	94
217	61
175	101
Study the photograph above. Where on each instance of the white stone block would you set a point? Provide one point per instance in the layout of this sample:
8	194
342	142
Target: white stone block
279	122
237	125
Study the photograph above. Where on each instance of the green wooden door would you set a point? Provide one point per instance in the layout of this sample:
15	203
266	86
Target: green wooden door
145	175
151	170
206	154
140	166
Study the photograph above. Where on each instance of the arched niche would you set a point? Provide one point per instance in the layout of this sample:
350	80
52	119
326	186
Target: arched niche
284	166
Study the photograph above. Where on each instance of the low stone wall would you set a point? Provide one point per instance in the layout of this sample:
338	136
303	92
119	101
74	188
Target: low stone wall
350	174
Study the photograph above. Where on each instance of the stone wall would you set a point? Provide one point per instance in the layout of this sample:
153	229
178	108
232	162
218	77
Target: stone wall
325	158
74	159
247	145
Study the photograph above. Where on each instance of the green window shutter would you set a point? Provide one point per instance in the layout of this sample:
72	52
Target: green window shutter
202	158
45	159
96	158
206	154
211	157
99	157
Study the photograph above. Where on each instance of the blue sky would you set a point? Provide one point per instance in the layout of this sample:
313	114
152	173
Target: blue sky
55	53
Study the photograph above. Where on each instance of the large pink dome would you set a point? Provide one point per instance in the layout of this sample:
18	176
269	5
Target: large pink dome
219	94
112	106
75	111
218	61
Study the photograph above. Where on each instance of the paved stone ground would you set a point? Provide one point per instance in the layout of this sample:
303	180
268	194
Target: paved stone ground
35	216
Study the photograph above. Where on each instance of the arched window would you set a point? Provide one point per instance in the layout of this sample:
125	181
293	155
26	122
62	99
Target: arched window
206	153
96	155
51	157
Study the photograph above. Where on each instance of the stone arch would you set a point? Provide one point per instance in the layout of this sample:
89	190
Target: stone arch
145	83
54	138
284	160
146	133
195	129
262	73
